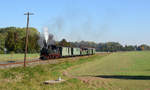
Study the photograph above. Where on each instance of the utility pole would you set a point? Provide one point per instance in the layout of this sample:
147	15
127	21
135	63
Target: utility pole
27	32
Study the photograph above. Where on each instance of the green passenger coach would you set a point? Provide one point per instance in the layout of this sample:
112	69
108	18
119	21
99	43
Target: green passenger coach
75	51
66	51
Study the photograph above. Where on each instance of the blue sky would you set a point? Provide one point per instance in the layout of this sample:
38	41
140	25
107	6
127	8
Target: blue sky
123	21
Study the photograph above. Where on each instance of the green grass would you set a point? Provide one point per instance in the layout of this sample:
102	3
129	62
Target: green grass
116	71
32	78
15	57
122	70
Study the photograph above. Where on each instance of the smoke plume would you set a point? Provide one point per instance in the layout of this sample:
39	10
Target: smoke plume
46	34
46	38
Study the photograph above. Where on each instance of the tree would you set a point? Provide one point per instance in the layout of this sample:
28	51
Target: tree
2	43
143	47
109	47
33	46
14	39
13	43
64	43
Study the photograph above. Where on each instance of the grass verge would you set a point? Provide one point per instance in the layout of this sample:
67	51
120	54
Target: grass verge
15	57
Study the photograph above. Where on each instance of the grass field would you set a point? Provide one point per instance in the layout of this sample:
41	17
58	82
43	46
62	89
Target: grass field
122	70
15	57
115	71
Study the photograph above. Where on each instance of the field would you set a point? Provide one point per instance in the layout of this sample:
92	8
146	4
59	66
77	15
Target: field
15	57
103	71
123	70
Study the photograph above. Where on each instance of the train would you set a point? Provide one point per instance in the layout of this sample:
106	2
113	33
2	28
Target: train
53	51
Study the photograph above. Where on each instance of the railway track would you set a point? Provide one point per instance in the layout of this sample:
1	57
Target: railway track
13	63
10	64
29	63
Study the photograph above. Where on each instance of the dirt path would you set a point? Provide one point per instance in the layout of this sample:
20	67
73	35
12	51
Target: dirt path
92	81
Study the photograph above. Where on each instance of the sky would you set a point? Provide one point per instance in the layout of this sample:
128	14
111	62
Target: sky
123	21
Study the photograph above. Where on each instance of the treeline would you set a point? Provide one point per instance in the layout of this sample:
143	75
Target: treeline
104	47
12	40
114	47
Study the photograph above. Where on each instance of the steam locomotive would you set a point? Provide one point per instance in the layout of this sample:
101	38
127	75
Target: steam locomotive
53	51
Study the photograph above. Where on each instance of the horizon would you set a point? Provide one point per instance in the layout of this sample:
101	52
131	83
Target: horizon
126	22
